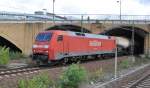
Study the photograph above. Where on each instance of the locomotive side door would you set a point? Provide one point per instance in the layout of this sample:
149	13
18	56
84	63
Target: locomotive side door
60	46
63	46
66	45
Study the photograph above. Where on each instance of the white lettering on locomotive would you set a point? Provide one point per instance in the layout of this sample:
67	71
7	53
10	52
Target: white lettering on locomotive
95	43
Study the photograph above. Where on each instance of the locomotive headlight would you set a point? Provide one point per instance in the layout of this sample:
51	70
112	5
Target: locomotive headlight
35	46
45	46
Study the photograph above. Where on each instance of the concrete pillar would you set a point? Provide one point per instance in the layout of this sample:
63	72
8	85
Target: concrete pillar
146	44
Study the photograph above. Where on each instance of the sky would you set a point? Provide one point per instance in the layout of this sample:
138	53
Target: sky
128	7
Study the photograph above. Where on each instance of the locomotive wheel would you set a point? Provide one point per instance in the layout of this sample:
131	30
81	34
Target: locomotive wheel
64	61
39	63
52	63
103	56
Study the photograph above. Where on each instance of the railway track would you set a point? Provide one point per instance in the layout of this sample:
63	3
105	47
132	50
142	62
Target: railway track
33	69
18	71
25	70
143	82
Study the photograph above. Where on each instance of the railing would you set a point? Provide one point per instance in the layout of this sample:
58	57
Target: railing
105	17
5	16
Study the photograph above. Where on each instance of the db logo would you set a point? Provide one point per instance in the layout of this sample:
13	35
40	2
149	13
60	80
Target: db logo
95	43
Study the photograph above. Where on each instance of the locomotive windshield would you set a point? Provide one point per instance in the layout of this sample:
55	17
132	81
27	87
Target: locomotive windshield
44	37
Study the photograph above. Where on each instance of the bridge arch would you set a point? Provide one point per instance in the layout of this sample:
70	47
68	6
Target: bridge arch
126	31
5	42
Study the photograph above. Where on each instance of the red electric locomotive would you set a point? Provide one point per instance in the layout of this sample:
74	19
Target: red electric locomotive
56	45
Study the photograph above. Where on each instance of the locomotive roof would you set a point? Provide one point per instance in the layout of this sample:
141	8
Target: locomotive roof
80	34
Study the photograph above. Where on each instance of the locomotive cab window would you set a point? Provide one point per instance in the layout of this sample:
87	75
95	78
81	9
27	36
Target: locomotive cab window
60	38
44	37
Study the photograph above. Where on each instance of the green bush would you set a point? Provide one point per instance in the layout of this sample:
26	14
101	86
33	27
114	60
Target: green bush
16	55
39	81
72	77
22	84
4	55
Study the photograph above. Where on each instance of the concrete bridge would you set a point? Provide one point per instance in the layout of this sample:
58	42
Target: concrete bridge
19	35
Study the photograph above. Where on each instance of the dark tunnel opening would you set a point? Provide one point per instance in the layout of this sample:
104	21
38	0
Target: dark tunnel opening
5	43
139	37
68	27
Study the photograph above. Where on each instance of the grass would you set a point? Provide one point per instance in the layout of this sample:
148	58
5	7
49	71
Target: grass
4	55
16	55
96	75
39	81
125	64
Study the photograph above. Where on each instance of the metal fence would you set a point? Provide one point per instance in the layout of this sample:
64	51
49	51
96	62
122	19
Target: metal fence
70	17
